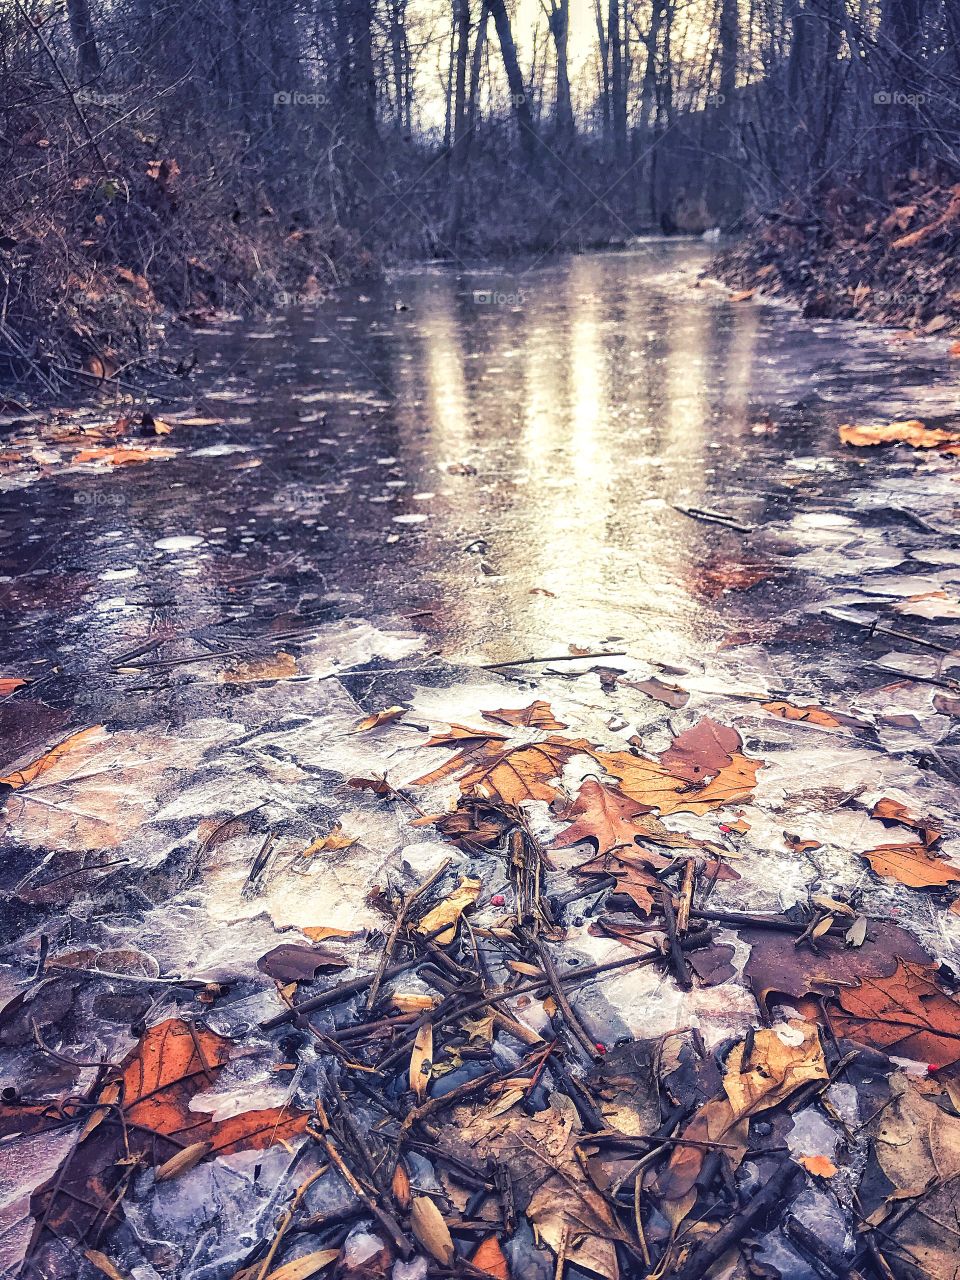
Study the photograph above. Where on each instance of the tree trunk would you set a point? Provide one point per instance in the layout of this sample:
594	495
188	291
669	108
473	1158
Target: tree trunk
604	46
900	43
461	25
618	88
518	93
81	28
559	20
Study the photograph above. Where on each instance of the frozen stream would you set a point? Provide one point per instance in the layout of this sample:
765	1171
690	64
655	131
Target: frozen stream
384	501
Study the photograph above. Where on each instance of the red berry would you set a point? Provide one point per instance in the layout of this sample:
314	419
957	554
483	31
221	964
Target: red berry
600	1048
498	900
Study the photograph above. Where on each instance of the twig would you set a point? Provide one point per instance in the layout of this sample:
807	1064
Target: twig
562	657
571	1017
340	992
687	885
713	517
387	1219
408	901
287	1220
678	959
701	1260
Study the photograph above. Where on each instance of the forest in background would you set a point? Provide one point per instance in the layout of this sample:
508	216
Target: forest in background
181	156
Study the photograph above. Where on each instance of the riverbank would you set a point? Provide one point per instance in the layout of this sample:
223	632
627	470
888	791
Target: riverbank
851	256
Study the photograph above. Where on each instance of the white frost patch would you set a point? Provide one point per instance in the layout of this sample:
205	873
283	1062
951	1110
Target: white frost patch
183	543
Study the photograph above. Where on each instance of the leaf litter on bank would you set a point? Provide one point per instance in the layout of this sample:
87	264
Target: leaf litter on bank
480	1087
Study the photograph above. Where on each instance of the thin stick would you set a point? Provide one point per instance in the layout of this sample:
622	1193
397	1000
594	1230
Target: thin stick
687	886
408	901
387	1219
287	1220
572	1019
562	657
678	959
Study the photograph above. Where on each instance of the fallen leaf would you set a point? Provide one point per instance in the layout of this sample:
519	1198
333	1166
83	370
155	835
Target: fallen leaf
302	1268
669	694
549	1180
635	874
489	1258
776	967
913	865
538	715
917	1145
819	1166
379	718
184	1160
701	752
334	839
94	789
449	911
782	1058
493	770
106	1266
30	772
10	684
887	810
604	816
289	962
150	1119
912	432
907	1014
320	933
427	1224
809	714
123	455
421	1061
281	666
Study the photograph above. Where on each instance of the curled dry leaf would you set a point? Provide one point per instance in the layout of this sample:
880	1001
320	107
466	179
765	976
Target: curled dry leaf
809	714
106	1266
378	718
10	684
307	1265
887	810
335	839
421	1061
427	1224
450	910
182	1161
781	1059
